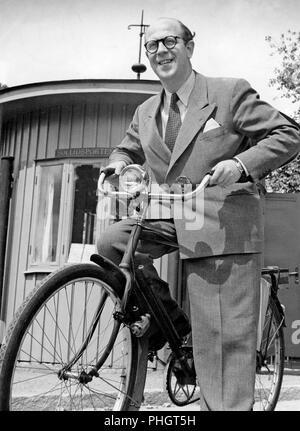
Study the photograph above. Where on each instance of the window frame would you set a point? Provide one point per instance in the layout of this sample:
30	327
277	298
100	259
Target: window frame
34	266
66	211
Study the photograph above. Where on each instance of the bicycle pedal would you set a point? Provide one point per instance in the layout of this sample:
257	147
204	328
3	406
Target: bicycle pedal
140	327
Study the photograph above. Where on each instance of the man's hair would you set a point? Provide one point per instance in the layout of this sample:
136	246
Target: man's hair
186	32
187	35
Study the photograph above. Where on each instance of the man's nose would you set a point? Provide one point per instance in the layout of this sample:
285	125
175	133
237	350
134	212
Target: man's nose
161	47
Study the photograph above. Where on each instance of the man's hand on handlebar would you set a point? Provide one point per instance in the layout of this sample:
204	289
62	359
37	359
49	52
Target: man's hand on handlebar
224	174
114	168
112	172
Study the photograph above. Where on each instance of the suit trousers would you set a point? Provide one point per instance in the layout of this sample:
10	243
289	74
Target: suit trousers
224	304
224	298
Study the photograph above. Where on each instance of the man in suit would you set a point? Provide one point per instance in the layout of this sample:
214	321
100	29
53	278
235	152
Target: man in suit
195	125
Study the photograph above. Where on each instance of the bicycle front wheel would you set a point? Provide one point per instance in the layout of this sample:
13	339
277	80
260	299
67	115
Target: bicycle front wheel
63	330
270	360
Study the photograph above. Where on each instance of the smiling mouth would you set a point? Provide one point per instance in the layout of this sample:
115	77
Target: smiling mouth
165	61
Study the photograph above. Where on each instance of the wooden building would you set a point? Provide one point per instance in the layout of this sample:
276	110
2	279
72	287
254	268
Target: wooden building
54	138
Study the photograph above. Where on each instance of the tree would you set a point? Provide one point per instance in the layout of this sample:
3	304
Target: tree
287	81
2	86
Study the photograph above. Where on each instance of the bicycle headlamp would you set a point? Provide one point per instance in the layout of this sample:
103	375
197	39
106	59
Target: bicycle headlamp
133	179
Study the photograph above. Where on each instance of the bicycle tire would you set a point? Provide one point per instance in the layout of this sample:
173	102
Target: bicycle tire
47	333
270	360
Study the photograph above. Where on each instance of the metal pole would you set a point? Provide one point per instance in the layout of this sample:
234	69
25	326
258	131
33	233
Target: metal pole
141	36
139	68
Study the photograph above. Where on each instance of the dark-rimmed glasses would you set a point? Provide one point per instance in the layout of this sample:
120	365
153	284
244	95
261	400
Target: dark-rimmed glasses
169	42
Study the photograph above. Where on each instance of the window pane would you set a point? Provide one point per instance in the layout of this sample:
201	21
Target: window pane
46	229
85	203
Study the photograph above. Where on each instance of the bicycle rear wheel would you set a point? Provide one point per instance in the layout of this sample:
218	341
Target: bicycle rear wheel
59	333
270	360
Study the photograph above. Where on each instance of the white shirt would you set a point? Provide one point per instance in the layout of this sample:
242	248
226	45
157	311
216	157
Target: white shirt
183	94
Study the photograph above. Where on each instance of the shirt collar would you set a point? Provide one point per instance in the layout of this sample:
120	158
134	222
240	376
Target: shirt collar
185	90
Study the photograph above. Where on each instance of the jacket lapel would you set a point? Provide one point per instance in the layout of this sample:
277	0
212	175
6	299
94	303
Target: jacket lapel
153	136
198	112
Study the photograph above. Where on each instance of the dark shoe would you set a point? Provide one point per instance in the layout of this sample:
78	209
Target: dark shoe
184	378
183	327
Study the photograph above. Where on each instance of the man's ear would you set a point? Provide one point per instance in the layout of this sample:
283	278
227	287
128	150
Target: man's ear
190	48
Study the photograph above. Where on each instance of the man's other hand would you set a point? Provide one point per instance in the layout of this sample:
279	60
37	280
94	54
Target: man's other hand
225	174
114	168
112	172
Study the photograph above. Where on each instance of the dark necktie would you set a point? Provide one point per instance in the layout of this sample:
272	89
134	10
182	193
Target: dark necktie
173	124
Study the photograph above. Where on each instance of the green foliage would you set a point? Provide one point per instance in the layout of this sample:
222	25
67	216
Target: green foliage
287	81
2	86
285	179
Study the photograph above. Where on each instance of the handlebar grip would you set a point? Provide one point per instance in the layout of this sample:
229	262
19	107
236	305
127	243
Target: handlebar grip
100	182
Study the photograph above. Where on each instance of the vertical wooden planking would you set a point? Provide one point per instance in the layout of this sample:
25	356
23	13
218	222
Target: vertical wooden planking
25	190
15	231
103	125
19	194
116	118
30	182
64	137
26	146
10	140
5	139
43	133
77	125
53	131
97	110
90	126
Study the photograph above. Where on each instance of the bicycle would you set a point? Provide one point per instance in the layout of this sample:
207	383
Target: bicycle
80	335
270	355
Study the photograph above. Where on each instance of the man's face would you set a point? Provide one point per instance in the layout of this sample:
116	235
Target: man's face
172	66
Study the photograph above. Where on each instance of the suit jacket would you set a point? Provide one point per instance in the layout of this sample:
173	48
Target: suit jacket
230	219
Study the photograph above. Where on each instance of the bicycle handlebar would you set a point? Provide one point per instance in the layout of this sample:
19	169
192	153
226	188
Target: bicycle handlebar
161	196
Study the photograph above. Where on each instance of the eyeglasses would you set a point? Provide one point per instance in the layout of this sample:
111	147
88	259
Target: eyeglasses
168	41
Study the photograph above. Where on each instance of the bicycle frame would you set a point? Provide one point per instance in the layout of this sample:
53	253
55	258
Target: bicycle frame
134	277
156	309
125	265
275	272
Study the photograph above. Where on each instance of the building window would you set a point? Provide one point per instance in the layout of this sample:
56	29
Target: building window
85	224
65	225
85	204
48	206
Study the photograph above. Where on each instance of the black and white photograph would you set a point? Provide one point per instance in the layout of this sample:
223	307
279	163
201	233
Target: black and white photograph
150	208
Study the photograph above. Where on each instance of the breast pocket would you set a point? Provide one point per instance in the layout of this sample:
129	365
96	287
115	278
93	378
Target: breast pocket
210	134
